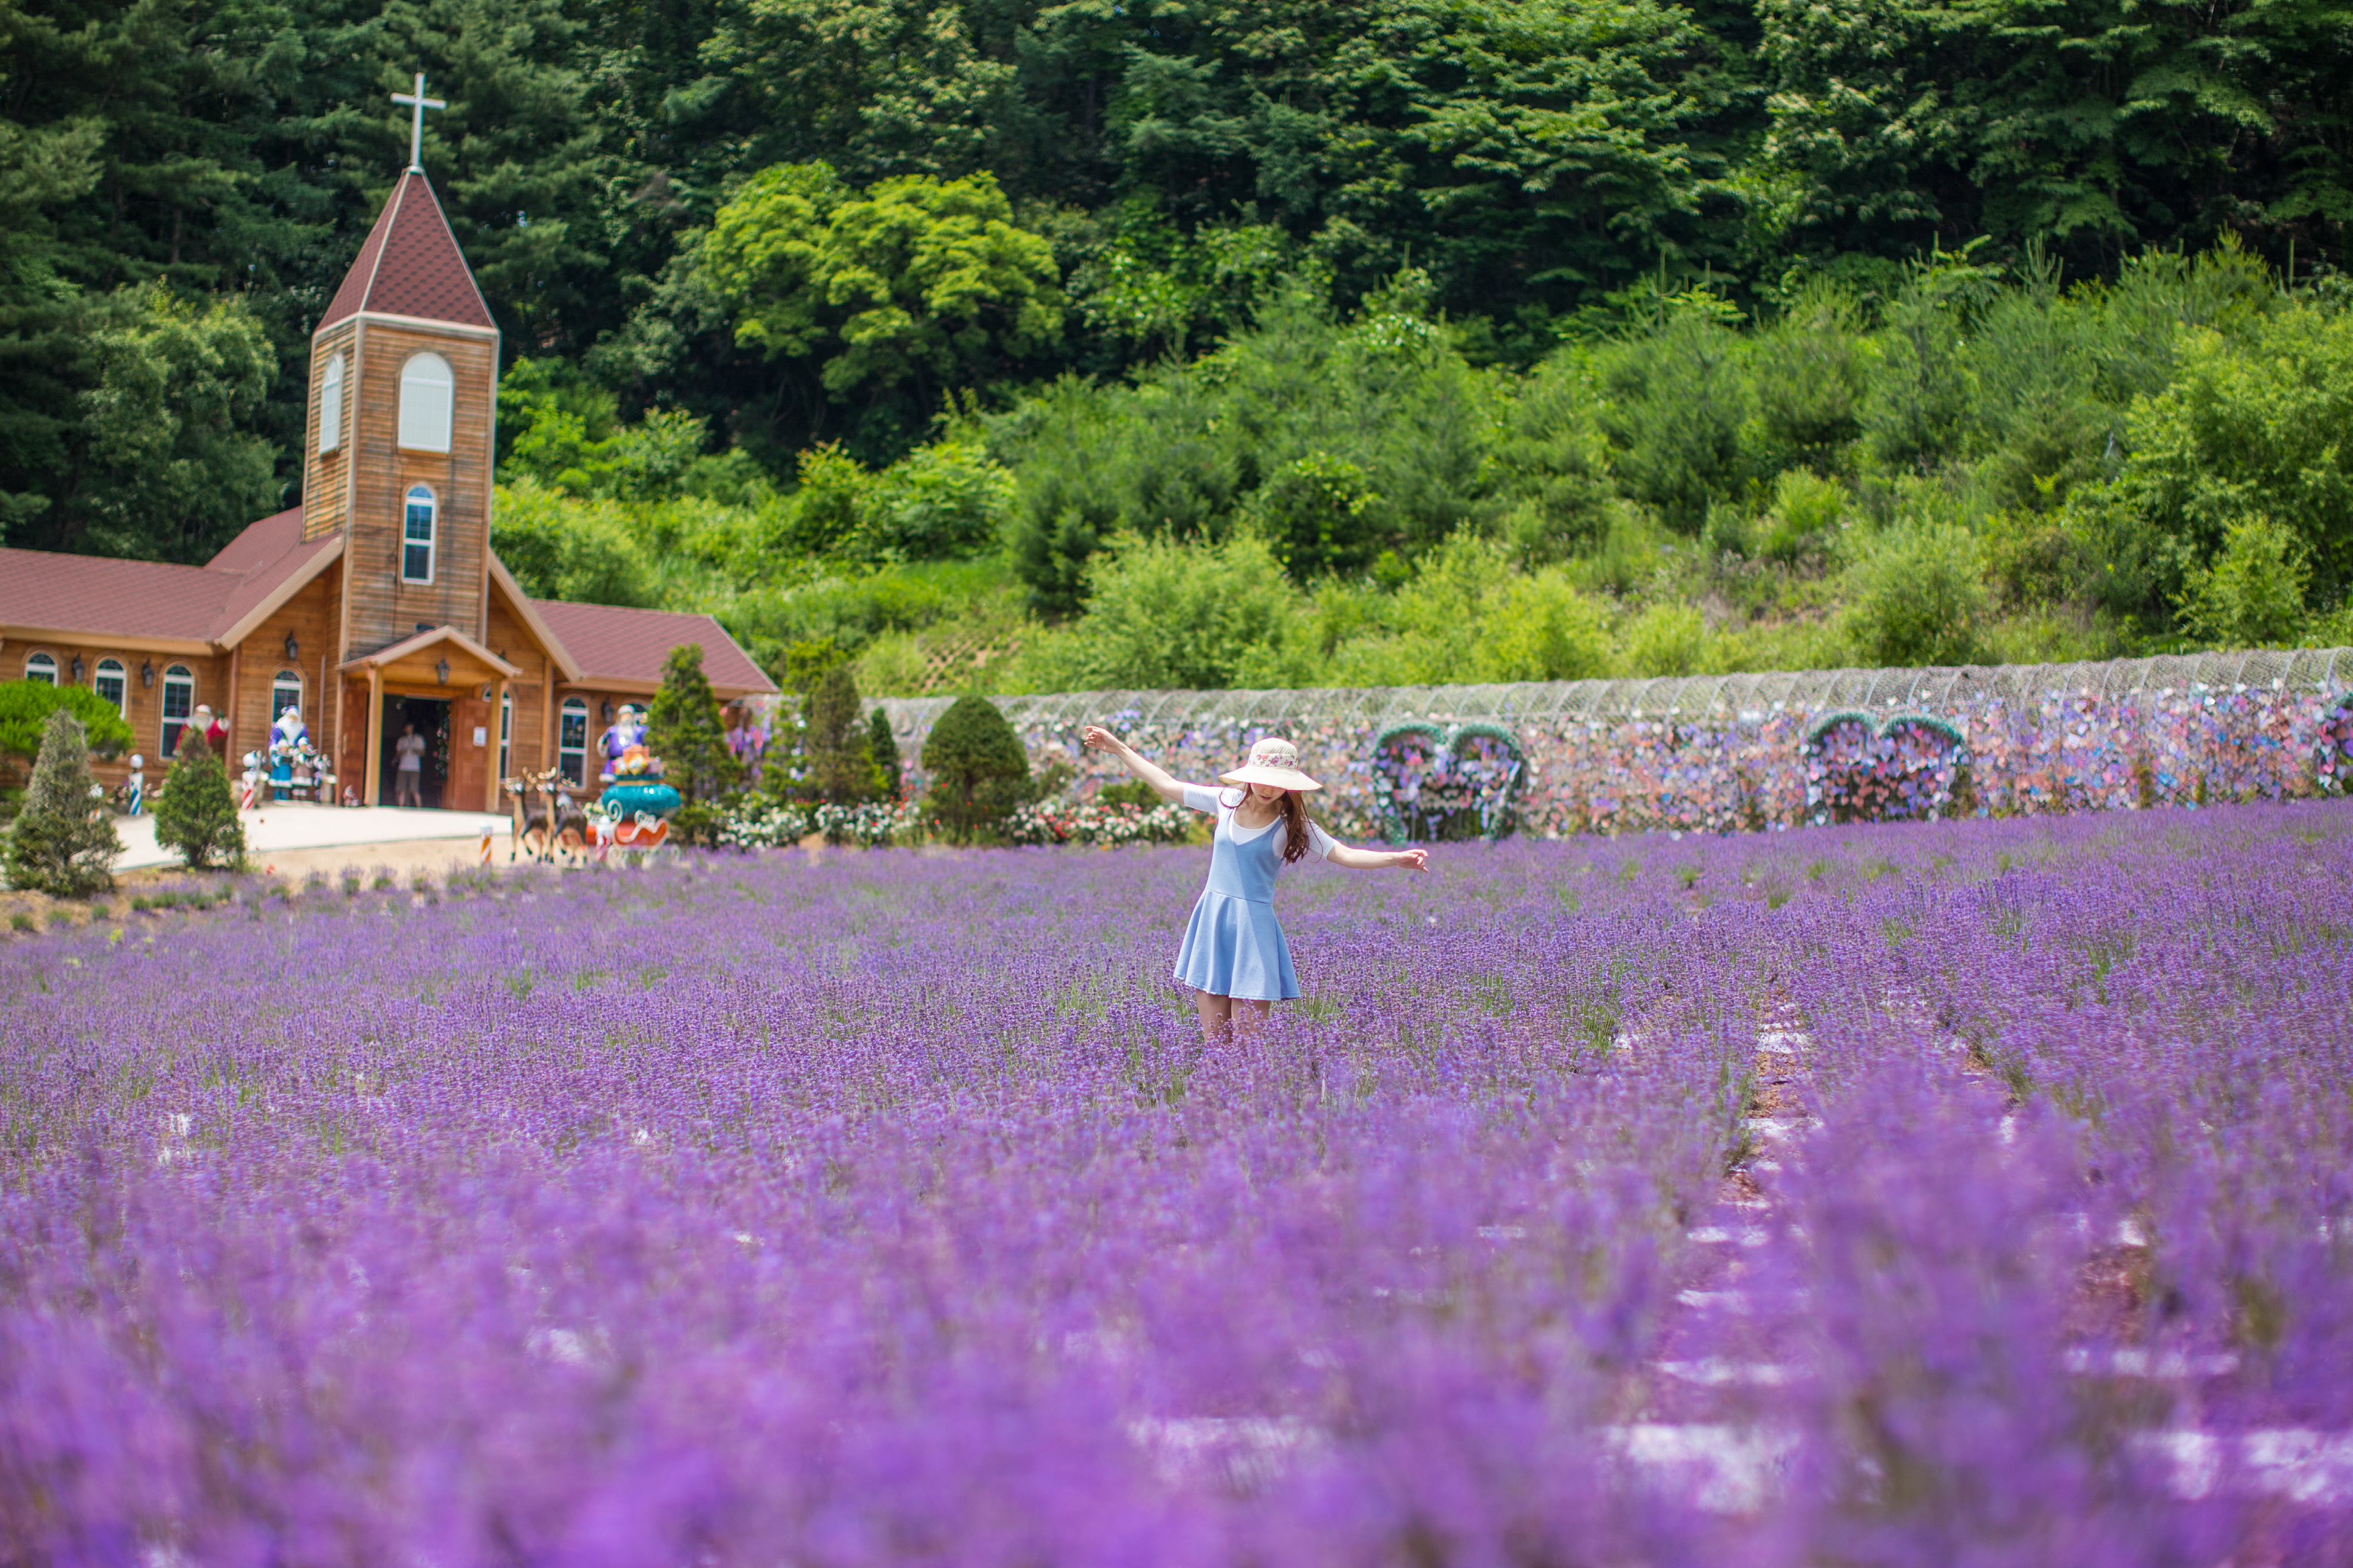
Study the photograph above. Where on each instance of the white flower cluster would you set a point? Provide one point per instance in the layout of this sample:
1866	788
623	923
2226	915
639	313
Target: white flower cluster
1066	822
764	825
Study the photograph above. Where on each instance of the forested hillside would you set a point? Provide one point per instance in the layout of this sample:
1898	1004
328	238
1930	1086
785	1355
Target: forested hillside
1196	343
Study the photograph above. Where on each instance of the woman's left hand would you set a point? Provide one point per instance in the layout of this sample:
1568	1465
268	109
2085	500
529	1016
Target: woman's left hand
1411	859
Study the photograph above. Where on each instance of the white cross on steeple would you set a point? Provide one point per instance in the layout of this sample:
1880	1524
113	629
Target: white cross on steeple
420	103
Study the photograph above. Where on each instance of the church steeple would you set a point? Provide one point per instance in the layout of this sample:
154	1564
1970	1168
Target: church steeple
405	372
411	266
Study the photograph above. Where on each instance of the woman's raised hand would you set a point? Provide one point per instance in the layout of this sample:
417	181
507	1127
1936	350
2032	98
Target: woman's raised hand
1095	737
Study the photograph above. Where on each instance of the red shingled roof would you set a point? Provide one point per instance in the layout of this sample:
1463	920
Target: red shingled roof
100	596
410	264
624	646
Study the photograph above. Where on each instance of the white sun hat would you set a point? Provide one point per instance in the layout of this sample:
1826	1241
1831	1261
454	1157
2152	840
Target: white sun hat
1274	761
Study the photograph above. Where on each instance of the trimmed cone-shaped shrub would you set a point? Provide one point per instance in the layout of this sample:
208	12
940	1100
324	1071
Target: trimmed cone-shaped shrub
63	843
840	760
685	730
883	746
977	767
196	818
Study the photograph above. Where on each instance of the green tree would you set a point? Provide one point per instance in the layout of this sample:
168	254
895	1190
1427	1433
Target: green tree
62	842
685	729
977	767
918	282
197	817
883	746
2252	424
842	764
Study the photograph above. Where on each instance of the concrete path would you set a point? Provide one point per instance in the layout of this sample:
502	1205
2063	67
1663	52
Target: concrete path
296	827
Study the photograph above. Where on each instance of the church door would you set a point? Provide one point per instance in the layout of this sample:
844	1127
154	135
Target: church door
472	751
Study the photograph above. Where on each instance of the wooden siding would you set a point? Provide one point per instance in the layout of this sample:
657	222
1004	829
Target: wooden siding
326	476
507	637
142	706
379	608
314	614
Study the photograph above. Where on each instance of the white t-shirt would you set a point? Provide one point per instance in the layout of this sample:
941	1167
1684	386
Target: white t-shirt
1320	844
412	752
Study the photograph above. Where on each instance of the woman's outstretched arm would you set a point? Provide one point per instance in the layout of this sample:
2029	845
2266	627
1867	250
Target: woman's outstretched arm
1164	784
1356	859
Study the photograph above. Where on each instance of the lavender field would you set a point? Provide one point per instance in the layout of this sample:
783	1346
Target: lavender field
1970	1193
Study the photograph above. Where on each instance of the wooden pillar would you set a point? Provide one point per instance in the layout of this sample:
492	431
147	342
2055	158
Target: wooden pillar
501	740
373	781
235	672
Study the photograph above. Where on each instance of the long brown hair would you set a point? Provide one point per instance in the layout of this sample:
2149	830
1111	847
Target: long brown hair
1294	807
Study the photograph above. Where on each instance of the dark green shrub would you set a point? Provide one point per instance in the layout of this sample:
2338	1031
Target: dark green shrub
196	818
978	766
63	843
20	921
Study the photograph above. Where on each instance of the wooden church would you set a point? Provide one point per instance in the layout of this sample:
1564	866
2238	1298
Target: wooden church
377	605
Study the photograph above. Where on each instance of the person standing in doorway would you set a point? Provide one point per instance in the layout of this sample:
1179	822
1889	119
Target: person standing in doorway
408	773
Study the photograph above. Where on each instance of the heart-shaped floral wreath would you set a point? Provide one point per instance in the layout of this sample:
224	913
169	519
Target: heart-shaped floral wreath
1906	767
1431	783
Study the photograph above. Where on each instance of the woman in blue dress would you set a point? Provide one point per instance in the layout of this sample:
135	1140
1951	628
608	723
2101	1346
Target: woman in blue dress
1235	960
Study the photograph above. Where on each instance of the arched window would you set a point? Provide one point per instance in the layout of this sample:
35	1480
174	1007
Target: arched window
41	666
426	391
179	702
113	684
572	741
506	729
285	691
331	406
416	536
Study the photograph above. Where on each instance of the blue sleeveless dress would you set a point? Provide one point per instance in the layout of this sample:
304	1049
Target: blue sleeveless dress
1233	944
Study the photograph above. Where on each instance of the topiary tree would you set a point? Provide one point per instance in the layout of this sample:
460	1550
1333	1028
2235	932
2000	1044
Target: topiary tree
883	747
196	818
684	729
978	769
62	843
840	756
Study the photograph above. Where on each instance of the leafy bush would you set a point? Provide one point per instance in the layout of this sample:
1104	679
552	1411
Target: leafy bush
27	707
1917	597
197	817
1166	614
2253	595
62	842
977	766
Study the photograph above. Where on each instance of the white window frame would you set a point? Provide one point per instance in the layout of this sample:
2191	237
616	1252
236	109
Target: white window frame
280	682
506	730
41	666
121	677
572	763
330	406
171	729
432	540
429	403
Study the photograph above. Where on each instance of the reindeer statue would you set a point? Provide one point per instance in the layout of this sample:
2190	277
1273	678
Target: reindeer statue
560	828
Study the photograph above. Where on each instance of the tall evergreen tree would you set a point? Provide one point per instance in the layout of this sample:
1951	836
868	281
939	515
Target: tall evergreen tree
977	767
685	730
841	758
883	747
62	842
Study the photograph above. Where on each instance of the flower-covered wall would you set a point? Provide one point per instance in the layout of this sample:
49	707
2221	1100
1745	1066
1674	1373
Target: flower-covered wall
1716	754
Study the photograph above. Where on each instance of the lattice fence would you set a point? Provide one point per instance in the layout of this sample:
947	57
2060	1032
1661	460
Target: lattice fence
1713	753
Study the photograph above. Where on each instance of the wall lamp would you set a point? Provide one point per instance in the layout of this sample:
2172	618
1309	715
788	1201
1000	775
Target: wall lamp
441	671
